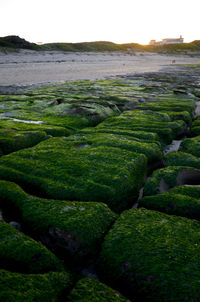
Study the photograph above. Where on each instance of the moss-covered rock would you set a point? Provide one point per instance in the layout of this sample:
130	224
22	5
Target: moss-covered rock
191	145
188	190
142	136
11	141
147	121
153	256
60	169
16	135
19	252
171	176
173	203
91	290
181	115
151	151
195	130
182	159
171	104
72	229
15	287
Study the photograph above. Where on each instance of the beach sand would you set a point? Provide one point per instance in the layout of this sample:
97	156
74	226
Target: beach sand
32	67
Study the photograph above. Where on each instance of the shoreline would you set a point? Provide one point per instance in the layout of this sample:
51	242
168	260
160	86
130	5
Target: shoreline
51	67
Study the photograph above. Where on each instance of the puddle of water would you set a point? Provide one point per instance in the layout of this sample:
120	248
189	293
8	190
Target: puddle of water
174	146
197	109
82	146
135	206
27	122
4	114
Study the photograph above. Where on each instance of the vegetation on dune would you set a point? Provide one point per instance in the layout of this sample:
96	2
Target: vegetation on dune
15	42
152	256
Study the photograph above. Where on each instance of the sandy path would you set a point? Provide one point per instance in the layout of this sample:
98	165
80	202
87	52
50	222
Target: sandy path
30	67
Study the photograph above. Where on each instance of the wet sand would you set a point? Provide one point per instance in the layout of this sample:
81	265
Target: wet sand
31	67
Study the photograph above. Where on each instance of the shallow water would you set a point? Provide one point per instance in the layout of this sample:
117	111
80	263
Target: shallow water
174	146
27	122
197	109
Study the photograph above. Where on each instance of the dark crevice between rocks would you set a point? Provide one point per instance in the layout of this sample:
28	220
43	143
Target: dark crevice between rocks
188	177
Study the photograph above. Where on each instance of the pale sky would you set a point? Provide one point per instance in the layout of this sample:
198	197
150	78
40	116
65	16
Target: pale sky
119	21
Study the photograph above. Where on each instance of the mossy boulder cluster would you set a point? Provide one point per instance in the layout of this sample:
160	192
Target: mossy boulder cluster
175	189
74	158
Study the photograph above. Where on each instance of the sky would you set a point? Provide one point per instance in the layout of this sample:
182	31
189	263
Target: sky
119	21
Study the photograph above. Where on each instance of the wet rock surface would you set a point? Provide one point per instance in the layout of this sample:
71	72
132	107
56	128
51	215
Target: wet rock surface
75	154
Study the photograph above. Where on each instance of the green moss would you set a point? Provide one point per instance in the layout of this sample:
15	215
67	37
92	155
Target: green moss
21	253
153	256
188	190
195	130
91	290
73	229
146	121
50	287
174	203
27	126
11	141
151	151
182	159
171	176
181	115
191	145
142	136
58	168
171	103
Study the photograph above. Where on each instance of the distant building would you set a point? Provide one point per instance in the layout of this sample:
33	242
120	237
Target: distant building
167	41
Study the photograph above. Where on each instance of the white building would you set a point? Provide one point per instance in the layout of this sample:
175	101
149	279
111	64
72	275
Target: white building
167	41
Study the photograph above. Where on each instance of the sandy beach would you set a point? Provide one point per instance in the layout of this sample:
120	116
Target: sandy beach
31	67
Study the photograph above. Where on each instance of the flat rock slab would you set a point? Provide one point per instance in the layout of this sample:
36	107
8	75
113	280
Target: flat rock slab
57	169
152	256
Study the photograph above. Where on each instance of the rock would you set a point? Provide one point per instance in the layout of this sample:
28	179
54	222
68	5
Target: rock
20	252
94	291
74	230
152	256
16	225
171	176
15	287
